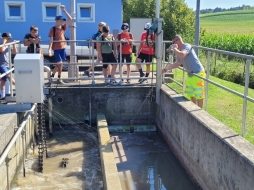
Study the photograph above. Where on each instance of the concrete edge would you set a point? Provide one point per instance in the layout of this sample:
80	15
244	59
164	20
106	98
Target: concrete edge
109	170
224	133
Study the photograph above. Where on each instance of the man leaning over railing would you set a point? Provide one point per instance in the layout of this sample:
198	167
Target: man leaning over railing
4	63
188	58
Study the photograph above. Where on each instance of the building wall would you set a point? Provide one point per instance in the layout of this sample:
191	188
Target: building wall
107	11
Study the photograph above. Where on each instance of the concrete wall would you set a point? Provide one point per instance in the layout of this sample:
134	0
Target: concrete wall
214	155
8	123
119	105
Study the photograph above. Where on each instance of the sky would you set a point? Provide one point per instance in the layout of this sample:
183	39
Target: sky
206	4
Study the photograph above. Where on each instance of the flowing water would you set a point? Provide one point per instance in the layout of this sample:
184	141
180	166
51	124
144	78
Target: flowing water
146	163
82	171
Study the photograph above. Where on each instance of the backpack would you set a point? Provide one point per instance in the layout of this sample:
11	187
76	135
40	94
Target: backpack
95	37
54	32
119	35
102	39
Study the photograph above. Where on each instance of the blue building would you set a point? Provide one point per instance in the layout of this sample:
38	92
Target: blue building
17	16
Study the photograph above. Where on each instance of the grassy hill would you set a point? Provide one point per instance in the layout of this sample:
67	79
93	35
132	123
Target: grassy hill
241	22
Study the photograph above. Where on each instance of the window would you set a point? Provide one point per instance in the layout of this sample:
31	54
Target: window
15	11
86	12
50	11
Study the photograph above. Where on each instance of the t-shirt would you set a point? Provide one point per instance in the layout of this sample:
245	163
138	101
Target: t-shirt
126	47
4	58
59	35
106	47
146	49
191	62
30	48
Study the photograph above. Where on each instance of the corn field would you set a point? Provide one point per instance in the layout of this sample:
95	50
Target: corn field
239	43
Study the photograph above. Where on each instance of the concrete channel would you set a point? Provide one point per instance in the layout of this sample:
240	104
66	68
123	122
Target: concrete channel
212	155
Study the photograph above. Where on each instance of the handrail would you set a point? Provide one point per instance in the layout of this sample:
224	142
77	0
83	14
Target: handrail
244	95
16	135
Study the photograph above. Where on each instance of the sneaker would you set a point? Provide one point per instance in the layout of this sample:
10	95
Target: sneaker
3	101
107	81
87	73
128	81
113	82
60	81
143	81
142	75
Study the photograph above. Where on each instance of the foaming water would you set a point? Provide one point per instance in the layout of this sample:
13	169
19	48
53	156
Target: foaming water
146	163
82	171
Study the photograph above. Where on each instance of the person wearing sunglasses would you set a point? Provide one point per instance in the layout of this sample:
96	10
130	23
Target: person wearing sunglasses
187	57
32	39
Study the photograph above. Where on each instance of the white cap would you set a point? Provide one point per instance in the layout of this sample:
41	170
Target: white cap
147	26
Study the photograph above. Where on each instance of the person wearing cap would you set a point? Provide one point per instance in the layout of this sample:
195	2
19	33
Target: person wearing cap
4	63
126	39
95	37
188	58
107	53
57	33
33	39
145	52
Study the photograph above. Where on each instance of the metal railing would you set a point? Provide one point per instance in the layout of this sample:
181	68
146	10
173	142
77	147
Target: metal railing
21	131
244	95
10	63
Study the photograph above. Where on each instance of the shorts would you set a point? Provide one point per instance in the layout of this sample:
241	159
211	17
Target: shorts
60	55
108	58
195	87
127	57
4	69
145	57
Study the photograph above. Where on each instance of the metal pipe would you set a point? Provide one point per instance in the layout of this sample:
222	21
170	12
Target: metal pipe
120	66
10	66
33	131
47	69
50	116
93	64
246	88
72	71
157	9
8	44
184	85
7	160
225	52
197	27
207	77
16	135
159	40
23	149
12	69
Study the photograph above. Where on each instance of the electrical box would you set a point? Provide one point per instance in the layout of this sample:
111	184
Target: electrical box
29	78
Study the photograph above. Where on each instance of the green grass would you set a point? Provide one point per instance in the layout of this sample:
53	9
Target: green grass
226	107
241	21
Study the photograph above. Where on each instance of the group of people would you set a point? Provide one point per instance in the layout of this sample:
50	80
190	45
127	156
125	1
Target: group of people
108	51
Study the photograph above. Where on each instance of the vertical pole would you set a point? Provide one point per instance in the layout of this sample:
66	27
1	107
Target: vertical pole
121	65
207	77
7	160
33	129
23	150
10	66
93	82
158	51
246	88
50	117
183	89
72	70
197	27
164	61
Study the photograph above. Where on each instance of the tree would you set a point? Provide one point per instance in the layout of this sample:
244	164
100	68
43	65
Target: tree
177	17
